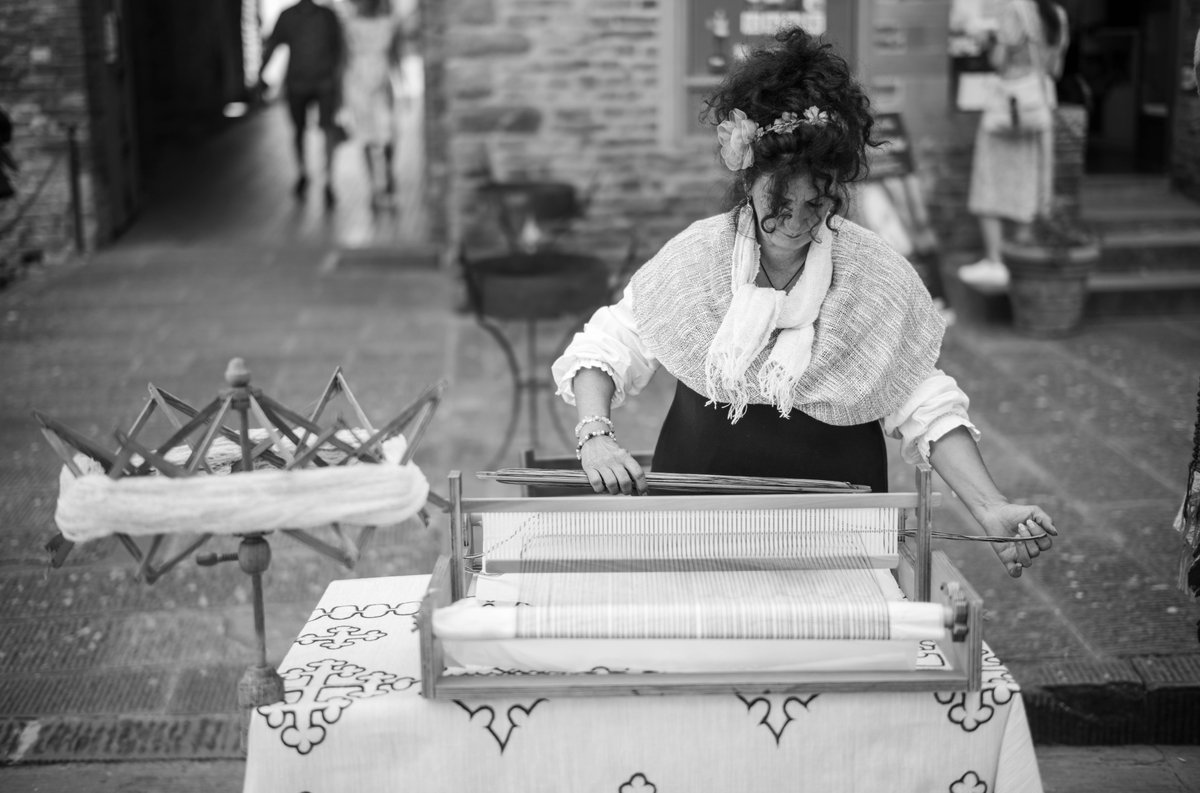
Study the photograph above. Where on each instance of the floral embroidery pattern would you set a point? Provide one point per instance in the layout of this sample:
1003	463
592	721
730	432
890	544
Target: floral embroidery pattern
777	711
371	611
500	725
638	784
971	710
316	695
339	636
969	783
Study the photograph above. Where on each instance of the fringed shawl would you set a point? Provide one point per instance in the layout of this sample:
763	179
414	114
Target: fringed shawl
877	336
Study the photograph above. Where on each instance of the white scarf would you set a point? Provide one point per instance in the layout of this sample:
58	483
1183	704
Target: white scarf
754	315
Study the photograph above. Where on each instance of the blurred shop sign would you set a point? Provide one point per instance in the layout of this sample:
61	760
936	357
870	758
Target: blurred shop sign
810	17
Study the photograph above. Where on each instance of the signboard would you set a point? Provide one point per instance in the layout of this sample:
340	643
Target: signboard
718	34
810	19
722	32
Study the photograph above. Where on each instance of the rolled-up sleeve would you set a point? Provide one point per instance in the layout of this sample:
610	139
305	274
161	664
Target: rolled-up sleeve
937	406
608	341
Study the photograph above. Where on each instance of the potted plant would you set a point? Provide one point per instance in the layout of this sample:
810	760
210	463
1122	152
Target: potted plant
1048	274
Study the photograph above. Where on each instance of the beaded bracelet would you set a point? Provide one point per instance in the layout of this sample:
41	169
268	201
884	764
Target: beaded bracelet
588	437
605	420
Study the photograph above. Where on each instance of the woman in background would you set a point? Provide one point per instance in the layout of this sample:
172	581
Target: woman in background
373	41
1012	175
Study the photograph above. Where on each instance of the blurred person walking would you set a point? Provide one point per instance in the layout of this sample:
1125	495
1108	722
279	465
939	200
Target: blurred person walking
1012	173
316	58
374	42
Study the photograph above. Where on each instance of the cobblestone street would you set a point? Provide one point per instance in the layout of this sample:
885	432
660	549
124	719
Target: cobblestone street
97	667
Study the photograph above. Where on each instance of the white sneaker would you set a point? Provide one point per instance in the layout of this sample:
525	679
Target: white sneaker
984	272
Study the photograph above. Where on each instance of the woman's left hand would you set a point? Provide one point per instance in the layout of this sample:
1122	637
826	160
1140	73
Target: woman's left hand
1018	521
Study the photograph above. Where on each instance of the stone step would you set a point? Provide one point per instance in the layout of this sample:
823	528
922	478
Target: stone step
1155	292
1130	204
1127	250
1110	294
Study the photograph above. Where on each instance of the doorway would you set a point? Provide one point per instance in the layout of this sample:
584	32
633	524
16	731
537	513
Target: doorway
1121	66
405	218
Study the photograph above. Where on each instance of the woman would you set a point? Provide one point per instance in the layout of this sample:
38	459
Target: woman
809	335
373	40
1012	176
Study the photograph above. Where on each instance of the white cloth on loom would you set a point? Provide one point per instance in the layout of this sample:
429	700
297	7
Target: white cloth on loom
353	719
707	604
610	341
691	656
779	620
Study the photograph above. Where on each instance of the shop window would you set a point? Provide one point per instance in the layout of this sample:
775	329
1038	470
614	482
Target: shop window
710	36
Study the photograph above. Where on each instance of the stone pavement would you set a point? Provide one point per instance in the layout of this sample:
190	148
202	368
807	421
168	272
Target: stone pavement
97	667
1065	769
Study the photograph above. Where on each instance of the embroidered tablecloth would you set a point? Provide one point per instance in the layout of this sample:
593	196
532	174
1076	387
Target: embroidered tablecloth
354	720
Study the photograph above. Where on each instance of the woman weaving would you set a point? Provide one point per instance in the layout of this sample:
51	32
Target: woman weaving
797	337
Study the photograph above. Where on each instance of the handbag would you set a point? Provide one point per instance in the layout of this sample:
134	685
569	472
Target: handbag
1023	104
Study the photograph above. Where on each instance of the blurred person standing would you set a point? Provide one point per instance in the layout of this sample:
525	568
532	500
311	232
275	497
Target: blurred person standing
1012	173
373	52
1196	62
316	57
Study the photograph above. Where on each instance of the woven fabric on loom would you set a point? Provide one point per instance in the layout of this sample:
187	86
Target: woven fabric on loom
742	604
724	574
825	538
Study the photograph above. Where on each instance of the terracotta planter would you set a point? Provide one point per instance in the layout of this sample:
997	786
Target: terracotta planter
1048	286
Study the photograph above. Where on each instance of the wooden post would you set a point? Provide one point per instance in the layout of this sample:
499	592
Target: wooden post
458	556
260	684
924	531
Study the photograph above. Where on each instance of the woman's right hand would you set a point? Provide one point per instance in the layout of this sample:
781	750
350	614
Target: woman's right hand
610	468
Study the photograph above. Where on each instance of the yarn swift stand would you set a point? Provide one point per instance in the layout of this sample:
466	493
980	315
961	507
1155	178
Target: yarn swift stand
285	440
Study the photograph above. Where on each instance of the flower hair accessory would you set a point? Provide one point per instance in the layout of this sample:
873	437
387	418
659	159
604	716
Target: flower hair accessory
737	133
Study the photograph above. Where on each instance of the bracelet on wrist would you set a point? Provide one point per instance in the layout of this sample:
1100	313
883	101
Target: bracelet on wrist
588	437
605	420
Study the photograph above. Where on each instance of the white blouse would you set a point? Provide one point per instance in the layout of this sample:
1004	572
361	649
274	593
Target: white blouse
610	341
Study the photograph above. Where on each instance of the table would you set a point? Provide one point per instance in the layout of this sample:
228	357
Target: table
353	720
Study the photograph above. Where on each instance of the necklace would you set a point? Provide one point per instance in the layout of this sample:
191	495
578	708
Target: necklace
795	275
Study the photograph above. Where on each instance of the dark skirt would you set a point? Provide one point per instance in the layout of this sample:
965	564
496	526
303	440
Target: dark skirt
700	440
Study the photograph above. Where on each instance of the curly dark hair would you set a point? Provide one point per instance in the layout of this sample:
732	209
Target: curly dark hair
798	73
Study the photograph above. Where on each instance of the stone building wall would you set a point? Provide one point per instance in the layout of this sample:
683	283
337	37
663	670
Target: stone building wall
571	90
42	71
562	89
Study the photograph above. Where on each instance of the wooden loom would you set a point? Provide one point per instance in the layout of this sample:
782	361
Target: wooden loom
808	541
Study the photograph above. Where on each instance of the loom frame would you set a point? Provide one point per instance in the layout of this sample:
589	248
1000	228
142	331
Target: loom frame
923	575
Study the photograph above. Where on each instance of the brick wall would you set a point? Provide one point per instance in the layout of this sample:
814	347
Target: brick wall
561	89
42	72
571	90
